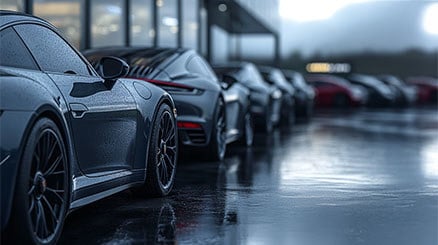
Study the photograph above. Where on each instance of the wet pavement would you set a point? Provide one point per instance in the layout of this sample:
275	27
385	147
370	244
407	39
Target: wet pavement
365	177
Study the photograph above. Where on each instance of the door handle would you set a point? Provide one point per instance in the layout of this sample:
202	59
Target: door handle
78	110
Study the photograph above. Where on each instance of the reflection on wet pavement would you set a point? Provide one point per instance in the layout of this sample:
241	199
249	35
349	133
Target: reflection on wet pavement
368	177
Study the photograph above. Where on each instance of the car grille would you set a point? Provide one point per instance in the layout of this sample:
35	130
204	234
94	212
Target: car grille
187	109
196	136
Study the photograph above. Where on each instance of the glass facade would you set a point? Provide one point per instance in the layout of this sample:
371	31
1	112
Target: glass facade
190	23
14	5
267	11
64	14
167	23
107	23
162	23
142	23
203	31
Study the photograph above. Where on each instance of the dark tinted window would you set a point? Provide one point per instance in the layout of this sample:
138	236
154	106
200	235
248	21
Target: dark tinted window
144	62
52	53
220	71
13	52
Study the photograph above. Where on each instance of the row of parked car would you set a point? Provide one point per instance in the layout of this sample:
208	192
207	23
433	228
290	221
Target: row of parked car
216	105
77	127
373	91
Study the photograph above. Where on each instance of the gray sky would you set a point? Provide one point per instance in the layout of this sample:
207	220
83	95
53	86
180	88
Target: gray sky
389	26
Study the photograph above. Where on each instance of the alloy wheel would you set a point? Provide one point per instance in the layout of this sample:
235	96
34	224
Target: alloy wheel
47	190
249	130
221	133
167	151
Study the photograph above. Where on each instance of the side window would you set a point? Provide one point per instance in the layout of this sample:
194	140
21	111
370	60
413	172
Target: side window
52	53
13	51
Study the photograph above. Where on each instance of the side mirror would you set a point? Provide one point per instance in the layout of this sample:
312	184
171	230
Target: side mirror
112	67
228	80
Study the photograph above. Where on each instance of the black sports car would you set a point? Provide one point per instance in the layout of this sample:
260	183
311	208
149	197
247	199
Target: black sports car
379	94
304	94
405	94
265	99
206	119
275	77
69	136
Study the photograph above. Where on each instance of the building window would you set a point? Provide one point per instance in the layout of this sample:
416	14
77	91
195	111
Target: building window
64	14
14	5
190	24
167	23
107	23
142	26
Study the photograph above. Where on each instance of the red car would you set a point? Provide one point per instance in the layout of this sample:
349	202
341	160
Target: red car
427	89
333	91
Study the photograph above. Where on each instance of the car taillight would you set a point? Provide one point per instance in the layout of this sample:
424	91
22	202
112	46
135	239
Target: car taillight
189	125
170	86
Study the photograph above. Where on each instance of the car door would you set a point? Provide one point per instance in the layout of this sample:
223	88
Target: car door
103	118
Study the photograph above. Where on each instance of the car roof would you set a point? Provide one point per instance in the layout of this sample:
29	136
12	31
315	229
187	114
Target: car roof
11	17
126	51
233	64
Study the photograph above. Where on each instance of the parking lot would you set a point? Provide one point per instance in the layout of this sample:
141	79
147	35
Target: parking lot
362	177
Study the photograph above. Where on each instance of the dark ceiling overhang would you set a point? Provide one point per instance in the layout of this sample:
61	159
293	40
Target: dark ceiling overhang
235	19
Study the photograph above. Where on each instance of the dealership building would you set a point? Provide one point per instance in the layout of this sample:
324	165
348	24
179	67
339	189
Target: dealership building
221	30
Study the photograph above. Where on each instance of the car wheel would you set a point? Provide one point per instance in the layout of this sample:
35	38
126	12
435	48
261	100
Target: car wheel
163	153
308	111
248	131
217	147
287	114
269	124
42	192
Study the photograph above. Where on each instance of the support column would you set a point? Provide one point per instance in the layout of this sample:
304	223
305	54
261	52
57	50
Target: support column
208	5
86	33
127	13
155	22
180	23
277	57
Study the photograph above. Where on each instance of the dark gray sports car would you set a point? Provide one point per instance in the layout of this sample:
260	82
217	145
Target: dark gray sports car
69	136
304	94
265	98
275	77
211	113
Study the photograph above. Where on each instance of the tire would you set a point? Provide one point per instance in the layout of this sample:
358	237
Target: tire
247	138
287	114
42	192
308	111
217	147
268	126
163	154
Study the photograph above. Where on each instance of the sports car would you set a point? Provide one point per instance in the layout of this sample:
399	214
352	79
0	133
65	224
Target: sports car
275	77
427	89
405	94
70	135
304	95
335	91
210	112
265	99
379	94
